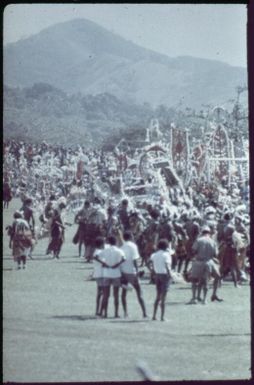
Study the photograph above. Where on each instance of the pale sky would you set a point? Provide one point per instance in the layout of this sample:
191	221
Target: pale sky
212	31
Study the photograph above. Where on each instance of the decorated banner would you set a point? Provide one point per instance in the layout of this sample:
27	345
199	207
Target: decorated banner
180	152
198	159
220	155
122	162
80	169
153	157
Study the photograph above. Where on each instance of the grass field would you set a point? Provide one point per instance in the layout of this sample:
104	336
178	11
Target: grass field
50	333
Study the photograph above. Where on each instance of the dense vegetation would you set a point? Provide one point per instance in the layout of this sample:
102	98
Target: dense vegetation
44	112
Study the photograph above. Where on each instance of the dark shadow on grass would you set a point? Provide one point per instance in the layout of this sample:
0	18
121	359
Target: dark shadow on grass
175	303
8	269
183	288
126	320
75	317
39	258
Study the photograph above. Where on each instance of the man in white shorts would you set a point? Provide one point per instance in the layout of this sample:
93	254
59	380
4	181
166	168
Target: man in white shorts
113	257
129	269
161	262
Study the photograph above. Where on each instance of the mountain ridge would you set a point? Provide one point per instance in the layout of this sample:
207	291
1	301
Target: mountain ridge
81	56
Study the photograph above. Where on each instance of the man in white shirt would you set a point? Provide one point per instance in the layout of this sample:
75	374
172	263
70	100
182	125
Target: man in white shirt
161	262
112	257
129	269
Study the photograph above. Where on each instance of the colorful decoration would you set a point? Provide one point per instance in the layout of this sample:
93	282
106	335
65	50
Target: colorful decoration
180	153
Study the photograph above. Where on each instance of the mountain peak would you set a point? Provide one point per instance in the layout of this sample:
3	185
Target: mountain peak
80	56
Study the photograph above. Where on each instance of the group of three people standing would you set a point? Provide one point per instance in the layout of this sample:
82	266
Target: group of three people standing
117	267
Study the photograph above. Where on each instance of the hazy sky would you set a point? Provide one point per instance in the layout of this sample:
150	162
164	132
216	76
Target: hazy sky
212	31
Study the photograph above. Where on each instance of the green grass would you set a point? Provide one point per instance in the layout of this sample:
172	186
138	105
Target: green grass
51	334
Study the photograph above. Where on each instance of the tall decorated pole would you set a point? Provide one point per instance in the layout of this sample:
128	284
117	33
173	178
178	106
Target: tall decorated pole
220	156
180	153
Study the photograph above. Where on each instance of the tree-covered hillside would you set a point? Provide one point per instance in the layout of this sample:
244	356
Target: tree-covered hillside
44	112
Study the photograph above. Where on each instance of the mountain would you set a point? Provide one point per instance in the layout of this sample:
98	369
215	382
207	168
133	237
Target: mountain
80	56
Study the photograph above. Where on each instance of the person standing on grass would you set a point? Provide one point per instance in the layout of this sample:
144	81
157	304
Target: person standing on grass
112	257
123	214
160	264
81	219
7	194
98	271
28	213
95	226
129	269
57	231
204	266
21	240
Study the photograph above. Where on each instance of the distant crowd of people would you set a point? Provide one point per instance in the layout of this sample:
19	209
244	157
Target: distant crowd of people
199	233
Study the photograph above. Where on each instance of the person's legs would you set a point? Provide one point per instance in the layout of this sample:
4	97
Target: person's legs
187	261
31	251
104	305
216	275
158	297
199	289
156	303
116	300
124	302
50	246
234	276
163	298
141	301
23	259
99	297
19	262
241	265
224	271
88	252
163	289
180	263
174	262
59	246
152	278
215	287
80	247
91	252
56	249
205	290
203	284
198	274
194	288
